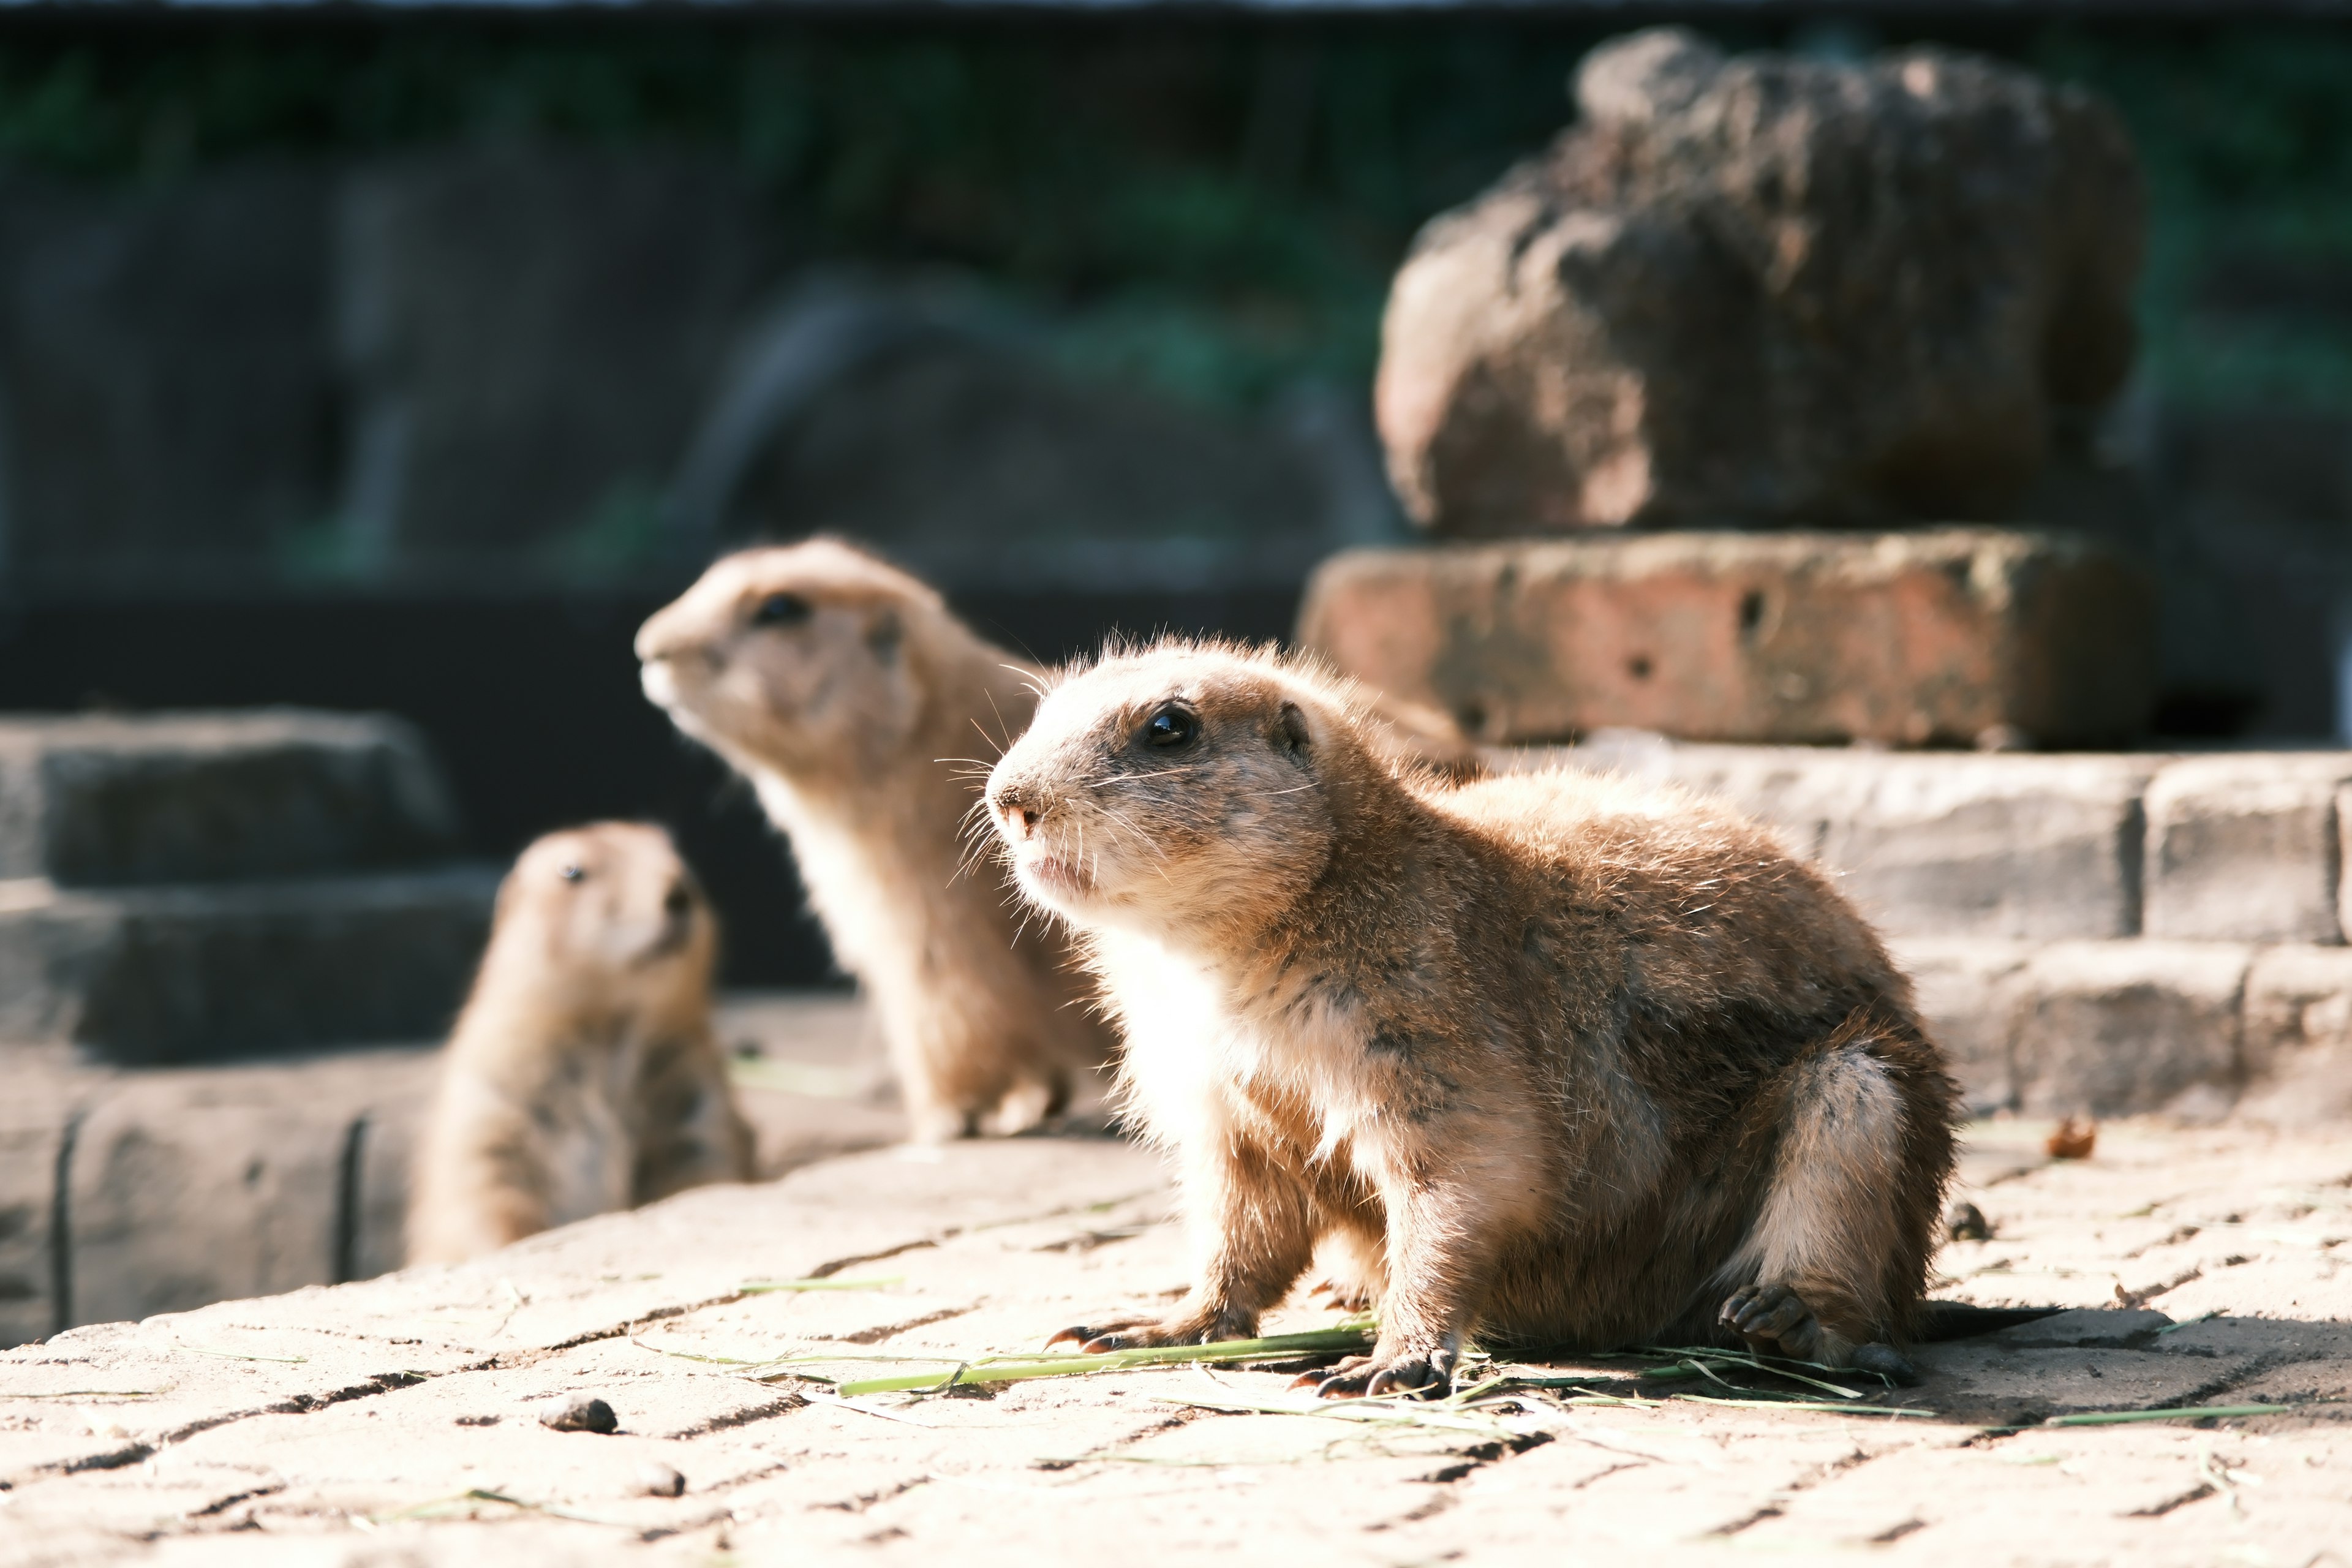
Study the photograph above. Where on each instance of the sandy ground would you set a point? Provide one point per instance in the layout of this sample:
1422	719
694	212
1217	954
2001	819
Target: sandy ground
396	1421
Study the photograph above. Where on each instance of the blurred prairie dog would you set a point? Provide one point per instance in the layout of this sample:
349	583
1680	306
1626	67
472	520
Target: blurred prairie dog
582	1076
1569	1059
846	692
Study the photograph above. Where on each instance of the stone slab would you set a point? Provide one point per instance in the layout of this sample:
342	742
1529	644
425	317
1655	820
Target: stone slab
1937	845
2298	1035
2118	1028
184	1185
2243	848
1945	635
1964	990
111	800
196	973
395	1420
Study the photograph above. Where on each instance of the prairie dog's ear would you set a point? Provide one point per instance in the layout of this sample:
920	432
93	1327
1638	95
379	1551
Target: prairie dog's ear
1291	735
885	635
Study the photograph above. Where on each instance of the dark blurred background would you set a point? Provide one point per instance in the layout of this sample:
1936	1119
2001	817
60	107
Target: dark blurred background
406	359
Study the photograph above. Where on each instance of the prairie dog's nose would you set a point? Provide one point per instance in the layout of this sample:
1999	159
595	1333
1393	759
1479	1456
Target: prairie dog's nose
1019	811
666	637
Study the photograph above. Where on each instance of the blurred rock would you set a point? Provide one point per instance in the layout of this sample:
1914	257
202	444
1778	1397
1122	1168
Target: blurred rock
2298	1036
1766	288
195	973
1905	639
937	427
166	374
100	800
530	332
178	887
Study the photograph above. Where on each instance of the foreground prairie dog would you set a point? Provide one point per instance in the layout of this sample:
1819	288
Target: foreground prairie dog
1567	1060
582	1076
863	713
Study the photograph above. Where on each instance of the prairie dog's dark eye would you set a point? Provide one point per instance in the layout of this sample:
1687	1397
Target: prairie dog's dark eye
1174	725
571	872
783	610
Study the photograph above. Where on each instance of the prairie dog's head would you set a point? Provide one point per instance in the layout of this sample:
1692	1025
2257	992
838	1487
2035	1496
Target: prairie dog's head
1176	788
807	658
605	913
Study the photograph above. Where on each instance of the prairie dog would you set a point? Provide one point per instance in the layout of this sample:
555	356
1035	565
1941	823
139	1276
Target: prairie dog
845	691
1572	1061
582	1076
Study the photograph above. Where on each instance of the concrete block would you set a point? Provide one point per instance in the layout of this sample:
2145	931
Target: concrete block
530	332
193	1185
2298	1036
200	797
166	347
46	1091
1944	845
1943	636
176	974
2243	848
1964	990
2111	1028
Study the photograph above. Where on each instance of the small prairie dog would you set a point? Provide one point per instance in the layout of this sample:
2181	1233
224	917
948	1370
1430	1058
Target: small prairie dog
855	702
1564	1061
582	1076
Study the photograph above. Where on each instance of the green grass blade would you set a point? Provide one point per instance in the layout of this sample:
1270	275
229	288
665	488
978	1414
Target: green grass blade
1007	1369
765	1287
1801	1404
2178	1412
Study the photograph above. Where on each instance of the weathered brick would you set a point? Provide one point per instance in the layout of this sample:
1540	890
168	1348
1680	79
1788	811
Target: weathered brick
1929	845
2115	1028
170	974
2243	847
2298	1036
195	797
1944	635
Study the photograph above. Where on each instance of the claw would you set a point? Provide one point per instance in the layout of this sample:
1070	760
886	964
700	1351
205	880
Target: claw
1075	1335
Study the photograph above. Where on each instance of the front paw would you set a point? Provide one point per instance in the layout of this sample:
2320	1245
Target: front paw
1427	1375
1150	1334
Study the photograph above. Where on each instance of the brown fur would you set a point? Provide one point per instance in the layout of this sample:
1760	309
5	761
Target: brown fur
582	1076
855	722
1569	1061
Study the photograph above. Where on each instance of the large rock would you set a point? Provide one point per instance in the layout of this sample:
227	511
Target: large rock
1766	288
956	437
531	333
167	401
1950	636
98	800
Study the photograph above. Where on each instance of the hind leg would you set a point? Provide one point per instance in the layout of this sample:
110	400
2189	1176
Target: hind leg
1839	1246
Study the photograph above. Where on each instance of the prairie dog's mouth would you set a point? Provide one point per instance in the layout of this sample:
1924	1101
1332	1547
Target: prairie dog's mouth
1051	876
660	682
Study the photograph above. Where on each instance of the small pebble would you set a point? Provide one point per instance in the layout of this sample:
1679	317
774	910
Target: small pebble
585	1414
658	1480
1965	1222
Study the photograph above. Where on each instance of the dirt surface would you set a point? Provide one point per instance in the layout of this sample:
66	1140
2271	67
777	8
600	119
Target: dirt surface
398	1421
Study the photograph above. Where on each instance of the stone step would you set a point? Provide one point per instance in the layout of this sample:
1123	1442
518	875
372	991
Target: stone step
1948	636
2234	846
2192	1029
108	800
126	1194
200	971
